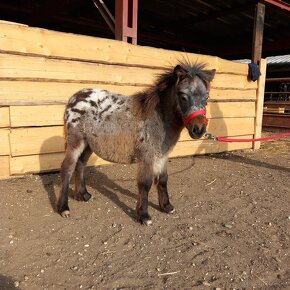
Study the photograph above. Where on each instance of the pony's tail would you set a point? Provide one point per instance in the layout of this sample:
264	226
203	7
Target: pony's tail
65	136
65	130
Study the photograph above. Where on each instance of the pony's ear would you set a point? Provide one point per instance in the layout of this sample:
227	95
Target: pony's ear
179	71
210	74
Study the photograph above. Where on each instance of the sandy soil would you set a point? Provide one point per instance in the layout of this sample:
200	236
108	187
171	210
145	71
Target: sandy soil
231	228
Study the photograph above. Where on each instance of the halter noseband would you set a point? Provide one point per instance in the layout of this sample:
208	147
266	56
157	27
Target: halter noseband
195	114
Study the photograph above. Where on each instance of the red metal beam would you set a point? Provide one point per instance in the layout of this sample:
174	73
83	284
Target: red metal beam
279	4
126	20
273	80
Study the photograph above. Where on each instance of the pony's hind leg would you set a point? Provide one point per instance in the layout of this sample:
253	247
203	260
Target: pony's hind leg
67	168
163	196
144	182
80	185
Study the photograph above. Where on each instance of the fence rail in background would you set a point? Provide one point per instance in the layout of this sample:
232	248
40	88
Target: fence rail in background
276	113
38	75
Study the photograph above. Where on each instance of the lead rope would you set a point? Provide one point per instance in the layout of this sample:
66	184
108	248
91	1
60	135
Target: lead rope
221	139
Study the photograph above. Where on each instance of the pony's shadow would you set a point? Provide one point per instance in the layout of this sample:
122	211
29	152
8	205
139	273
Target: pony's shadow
206	146
111	190
241	159
95	179
6	283
100	183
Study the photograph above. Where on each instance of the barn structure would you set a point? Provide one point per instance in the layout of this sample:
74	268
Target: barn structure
40	69
277	94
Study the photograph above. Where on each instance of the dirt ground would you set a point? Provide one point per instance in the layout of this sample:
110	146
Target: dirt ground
231	228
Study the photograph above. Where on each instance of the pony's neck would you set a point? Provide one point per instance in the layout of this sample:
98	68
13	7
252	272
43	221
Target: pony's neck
168	110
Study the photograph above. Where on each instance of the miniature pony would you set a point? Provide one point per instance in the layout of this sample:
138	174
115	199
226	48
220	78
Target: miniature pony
142	129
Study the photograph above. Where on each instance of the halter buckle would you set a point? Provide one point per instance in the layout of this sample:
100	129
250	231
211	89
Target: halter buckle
209	136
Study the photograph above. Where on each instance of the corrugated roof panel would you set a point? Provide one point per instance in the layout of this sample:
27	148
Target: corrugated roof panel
279	59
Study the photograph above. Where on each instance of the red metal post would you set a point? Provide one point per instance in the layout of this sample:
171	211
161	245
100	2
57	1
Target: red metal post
126	20
280	4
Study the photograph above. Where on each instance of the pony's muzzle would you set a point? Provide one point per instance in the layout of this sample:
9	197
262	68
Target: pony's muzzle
197	131
197	127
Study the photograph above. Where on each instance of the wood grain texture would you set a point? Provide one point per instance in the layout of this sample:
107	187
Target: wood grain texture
33	140
44	163
260	103
14	38
226	127
4	142
34	91
39	68
43	71
29	141
52	161
49	115
4	166
188	148
4	117
19	92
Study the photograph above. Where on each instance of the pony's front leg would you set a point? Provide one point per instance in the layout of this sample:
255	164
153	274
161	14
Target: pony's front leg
144	182
163	196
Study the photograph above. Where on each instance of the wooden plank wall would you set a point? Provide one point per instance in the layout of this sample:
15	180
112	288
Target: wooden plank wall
41	69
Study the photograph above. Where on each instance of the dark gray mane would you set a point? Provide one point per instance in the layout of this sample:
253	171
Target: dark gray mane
145	102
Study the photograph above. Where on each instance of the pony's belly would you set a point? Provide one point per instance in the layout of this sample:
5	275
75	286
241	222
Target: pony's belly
114	148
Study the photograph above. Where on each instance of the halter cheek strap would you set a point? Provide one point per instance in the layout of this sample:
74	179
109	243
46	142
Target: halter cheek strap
195	114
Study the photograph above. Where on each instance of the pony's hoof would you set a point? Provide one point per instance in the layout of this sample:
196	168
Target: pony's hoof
169	208
145	220
147	223
86	196
65	214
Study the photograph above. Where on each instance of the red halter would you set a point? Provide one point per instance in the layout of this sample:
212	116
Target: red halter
195	114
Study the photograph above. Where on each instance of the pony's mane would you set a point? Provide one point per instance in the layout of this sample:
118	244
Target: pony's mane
146	101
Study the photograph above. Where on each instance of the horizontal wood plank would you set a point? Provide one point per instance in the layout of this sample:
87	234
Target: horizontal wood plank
231	94
52	161
4	166
50	115
30	91
26	141
44	163
4	142
232	81
13	38
26	67
231	110
226	127
4	117
39	68
208	146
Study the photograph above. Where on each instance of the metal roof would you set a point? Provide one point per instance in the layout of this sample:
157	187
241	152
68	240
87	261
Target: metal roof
280	59
272	60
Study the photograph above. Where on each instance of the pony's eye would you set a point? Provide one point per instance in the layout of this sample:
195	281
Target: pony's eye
183	97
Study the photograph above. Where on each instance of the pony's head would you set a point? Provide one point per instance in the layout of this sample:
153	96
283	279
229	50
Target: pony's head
192	91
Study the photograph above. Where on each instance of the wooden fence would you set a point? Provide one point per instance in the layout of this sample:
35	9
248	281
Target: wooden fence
41	69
